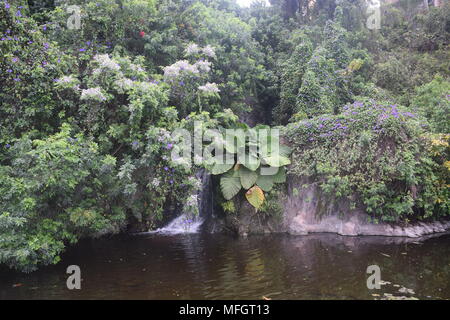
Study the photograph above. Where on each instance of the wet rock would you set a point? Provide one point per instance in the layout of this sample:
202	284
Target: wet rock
306	210
309	211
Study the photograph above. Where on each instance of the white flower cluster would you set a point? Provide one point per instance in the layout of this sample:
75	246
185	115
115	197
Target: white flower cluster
155	182
105	63
144	87
164	135
209	51
203	66
192	201
209	88
92	94
179	67
136	68
123	84
195	182
183	67
194	49
68	82
67	79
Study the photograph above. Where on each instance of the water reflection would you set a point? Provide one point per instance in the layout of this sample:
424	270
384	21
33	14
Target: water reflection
203	266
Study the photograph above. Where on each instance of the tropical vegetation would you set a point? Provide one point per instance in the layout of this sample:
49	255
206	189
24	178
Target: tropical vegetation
87	113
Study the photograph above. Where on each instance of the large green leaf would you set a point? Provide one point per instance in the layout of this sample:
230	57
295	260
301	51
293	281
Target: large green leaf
242	125
261	126
248	177
265	182
255	196
271	144
230	184
250	160
276	160
280	177
221	168
265	145
234	142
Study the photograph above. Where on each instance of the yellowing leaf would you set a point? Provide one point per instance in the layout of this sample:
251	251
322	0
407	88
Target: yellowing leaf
255	196
447	165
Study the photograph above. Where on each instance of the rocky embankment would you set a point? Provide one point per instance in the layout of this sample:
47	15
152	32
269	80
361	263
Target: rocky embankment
309	211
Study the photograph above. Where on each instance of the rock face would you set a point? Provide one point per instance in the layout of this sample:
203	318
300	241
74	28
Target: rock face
307	210
244	221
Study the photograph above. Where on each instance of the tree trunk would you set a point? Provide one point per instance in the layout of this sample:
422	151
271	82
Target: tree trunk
425	4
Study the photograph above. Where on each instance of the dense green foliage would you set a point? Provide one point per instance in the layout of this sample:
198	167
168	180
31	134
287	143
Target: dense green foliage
376	156
86	114
254	160
53	191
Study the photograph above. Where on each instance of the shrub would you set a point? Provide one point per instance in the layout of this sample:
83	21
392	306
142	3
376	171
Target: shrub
433	102
29	63
53	192
376	157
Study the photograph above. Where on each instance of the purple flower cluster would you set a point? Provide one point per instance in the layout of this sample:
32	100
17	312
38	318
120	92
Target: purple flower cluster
359	115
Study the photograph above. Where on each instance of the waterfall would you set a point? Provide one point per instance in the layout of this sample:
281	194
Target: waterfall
186	222
182	224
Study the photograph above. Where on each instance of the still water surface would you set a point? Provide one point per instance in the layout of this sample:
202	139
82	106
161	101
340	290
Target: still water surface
205	266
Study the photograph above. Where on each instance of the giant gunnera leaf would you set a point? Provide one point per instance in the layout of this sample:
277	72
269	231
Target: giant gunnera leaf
230	184
265	182
251	160
255	196
248	177
219	168
277	160
280	177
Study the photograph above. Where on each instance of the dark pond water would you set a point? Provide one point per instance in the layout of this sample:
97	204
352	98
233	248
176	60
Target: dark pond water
204	266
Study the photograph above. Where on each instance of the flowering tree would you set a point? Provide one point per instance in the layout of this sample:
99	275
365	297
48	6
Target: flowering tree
187	81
